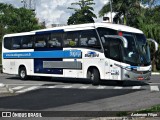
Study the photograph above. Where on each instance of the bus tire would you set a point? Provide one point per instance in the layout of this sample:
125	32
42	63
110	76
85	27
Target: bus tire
94	76
22	73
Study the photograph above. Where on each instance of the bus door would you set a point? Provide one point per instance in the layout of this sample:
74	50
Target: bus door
113	58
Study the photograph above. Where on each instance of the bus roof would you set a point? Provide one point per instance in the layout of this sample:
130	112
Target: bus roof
117	27
19	34
82	27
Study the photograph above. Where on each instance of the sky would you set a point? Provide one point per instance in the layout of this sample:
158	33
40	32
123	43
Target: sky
55	11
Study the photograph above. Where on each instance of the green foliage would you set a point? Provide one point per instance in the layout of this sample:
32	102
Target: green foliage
83	14
14	20
126	8
149	23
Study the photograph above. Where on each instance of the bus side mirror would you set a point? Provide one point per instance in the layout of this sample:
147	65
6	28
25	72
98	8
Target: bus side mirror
123	39
155	43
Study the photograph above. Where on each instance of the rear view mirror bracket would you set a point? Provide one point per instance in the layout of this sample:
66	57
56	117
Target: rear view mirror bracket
123	39
155	43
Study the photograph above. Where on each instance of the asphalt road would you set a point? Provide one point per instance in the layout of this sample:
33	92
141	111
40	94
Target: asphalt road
78	95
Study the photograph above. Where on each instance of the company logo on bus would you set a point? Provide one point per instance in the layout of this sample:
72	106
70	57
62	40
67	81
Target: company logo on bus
91	54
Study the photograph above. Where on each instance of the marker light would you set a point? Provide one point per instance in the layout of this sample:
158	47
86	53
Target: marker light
120	33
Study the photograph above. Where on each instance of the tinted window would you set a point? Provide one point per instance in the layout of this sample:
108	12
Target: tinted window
89	38
8	43
55	40
16	42
41	41
71	39
27	42
106	31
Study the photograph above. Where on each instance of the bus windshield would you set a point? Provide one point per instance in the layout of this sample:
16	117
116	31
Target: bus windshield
137	52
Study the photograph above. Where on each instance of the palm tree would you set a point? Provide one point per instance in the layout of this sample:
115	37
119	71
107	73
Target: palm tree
122	8
149	23
83	14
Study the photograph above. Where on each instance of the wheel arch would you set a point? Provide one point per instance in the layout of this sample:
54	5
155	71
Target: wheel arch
91	67
21	66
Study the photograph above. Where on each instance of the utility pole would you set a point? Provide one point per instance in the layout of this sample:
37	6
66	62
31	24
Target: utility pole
24	3
111	10
28	4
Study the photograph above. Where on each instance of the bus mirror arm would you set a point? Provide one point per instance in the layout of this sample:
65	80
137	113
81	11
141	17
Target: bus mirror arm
155	43
123	39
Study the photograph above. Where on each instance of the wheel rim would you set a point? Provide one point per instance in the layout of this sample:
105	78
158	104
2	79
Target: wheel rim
23	74
92	76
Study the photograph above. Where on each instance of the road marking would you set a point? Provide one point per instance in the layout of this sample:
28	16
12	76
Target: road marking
153	83
136	87
2	85
101	87
154	88
50	87
27	89
67	86
26	84
84	87
18	88
117	87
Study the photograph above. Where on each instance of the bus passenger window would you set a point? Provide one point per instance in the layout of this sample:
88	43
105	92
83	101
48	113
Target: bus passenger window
40	41
89	38
16	43
8	43
71	39
27	42
56	40
83	42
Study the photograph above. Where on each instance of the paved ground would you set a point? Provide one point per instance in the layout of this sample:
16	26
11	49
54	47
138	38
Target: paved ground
78	95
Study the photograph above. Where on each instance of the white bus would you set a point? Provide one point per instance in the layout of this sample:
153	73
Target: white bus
97	51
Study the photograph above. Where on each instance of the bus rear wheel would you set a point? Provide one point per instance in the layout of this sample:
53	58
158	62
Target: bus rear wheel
93	75
23	73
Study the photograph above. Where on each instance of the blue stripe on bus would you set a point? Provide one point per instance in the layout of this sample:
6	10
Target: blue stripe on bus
50	31
44	54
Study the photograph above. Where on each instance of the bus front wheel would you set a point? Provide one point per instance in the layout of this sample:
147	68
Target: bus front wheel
23	73
93	75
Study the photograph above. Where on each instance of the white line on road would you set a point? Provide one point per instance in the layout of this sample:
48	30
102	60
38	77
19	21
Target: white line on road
154	88
25	84
2	85
67	86
84	87
18	88
101	87
136	87
27	89
50	87
118	87
153	83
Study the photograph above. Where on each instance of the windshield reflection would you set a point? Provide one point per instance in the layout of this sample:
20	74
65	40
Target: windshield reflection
137	52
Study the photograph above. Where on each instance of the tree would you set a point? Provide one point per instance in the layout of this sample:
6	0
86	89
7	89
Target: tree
149	23
83	14
13	20
123	8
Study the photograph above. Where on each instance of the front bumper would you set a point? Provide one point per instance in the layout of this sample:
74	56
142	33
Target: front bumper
136	75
